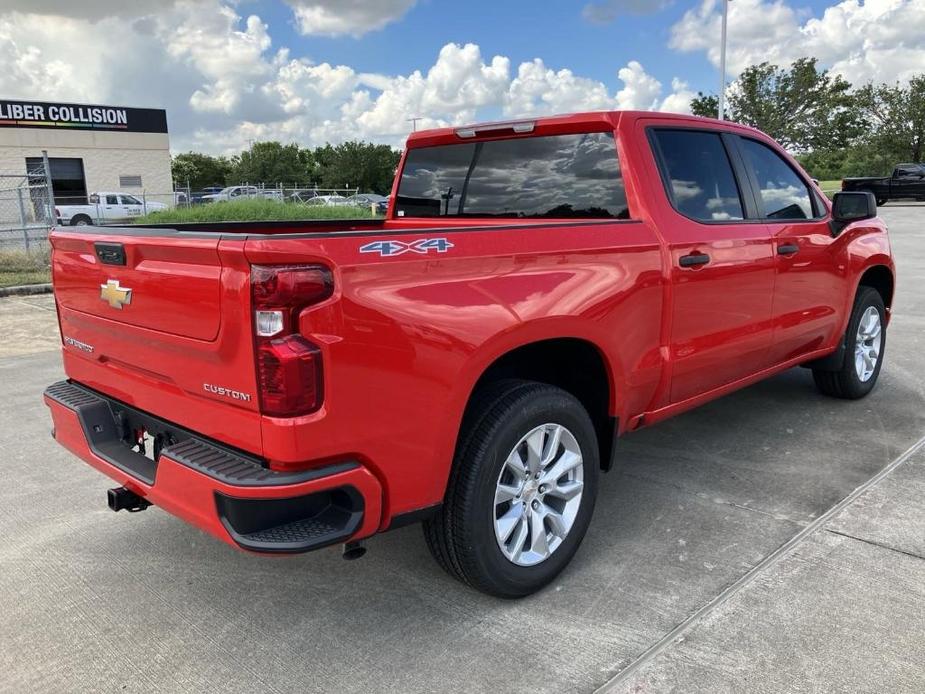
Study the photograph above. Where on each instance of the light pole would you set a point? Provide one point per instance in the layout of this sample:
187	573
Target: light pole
722	65
414	123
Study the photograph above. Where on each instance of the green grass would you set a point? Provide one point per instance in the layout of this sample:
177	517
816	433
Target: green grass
19	267
253	210
830	187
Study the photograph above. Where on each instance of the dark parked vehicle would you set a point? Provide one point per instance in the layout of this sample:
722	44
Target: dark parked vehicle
197	196
368	199
906	183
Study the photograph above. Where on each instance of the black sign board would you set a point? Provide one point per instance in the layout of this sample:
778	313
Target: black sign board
41	114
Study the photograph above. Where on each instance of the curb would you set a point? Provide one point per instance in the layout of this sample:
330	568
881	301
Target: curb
26	290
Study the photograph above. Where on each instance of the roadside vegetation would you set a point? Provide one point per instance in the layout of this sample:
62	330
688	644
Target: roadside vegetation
19	267
835	129
252	210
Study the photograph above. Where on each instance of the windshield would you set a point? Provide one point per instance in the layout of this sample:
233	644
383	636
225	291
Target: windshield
554	176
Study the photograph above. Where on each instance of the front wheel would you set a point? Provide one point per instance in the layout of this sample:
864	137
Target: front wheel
865	342
522	491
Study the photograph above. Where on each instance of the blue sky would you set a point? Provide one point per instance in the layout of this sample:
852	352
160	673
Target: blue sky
316	71
522	30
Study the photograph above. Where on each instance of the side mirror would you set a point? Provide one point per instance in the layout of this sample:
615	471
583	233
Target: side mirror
852	207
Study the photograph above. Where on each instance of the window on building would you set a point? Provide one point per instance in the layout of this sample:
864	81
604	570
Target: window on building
558	176
697	172
133	181
67	178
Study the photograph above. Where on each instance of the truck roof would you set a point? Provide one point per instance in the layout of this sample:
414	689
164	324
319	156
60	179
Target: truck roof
569	122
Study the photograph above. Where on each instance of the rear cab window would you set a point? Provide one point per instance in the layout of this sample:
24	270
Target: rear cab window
555	176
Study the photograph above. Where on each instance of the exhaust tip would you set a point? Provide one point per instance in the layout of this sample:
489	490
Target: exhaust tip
354	550
121	498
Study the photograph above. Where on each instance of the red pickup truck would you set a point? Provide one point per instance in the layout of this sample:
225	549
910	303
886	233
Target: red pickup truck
537	289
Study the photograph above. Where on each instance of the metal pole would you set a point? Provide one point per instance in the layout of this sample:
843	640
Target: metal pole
50	211
22	218
722	65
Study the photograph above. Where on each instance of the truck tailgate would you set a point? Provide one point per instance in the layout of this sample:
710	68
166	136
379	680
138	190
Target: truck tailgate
161	321
170	287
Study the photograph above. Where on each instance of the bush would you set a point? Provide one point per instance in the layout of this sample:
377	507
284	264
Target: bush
252	210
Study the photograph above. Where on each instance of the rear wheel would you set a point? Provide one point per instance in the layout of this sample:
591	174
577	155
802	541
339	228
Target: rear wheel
81	220
881	202
865	342
522	491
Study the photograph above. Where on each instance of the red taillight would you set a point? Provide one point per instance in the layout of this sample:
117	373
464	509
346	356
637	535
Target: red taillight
289	368
289	375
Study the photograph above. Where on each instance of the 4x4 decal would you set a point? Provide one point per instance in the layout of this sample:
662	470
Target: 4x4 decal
392	248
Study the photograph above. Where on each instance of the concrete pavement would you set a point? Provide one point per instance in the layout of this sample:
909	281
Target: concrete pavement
91	600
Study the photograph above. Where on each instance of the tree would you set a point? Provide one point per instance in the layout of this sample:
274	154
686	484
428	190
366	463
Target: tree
199	170
272	163
705	105
803	108
362	165
896	116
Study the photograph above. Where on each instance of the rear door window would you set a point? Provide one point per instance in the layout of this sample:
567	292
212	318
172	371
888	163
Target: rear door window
698	175
559	176
782	194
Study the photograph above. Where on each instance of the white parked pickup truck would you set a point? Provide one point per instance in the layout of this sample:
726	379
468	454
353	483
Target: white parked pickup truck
106	206
239	192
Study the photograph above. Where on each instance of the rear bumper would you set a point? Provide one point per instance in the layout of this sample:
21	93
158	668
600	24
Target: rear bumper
219	490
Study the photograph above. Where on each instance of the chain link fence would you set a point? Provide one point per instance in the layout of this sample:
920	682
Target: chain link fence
26	210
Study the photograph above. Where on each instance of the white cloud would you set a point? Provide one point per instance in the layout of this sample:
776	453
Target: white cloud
89	9
882	40
355	17
223	82
640	90
606	11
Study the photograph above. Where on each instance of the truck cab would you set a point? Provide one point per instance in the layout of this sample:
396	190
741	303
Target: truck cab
107	206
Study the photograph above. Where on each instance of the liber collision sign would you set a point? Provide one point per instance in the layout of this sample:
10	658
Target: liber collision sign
41	114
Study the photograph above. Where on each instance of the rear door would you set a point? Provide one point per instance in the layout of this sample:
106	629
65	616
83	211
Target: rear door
810	289
112	208
722	265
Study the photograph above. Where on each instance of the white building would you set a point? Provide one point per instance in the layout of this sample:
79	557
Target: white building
90	148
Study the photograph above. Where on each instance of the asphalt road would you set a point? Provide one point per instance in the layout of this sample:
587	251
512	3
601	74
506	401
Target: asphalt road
679	586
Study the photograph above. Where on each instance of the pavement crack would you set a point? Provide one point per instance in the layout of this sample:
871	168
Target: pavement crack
876	544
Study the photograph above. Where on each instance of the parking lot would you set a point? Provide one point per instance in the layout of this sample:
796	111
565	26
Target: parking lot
679	585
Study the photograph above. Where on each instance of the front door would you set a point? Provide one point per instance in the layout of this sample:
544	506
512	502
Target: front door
908	181
722	267
809	284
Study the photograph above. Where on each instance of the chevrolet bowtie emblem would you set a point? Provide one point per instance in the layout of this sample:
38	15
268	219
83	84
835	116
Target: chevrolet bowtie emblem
114	295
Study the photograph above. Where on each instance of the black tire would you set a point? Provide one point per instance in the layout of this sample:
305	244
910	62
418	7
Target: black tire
882	201
80	220
461	536
846	383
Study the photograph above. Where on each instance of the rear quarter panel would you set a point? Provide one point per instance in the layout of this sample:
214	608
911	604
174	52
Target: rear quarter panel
406	338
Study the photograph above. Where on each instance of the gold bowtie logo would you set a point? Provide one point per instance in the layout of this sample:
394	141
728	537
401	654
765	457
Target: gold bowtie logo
114	295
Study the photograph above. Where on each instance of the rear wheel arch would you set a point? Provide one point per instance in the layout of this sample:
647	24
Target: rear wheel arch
80	219
575	365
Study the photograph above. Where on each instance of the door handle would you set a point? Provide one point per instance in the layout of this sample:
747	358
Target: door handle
788	249
693	260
